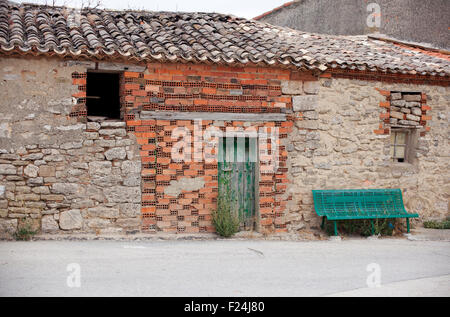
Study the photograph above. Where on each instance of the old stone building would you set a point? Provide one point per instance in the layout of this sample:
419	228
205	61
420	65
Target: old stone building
405	20
94	105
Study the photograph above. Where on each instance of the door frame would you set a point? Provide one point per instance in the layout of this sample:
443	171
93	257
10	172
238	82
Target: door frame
253	135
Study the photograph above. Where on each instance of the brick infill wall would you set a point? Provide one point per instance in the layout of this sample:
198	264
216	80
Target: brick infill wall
199	88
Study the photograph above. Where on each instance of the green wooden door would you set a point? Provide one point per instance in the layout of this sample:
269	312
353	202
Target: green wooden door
237	164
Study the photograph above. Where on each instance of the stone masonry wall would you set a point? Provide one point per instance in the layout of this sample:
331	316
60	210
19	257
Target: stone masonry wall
337	144
57	174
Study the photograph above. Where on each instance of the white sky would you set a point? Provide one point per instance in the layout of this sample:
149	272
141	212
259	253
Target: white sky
242	8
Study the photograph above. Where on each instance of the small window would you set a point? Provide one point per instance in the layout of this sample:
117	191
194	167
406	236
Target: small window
102	95
403	145
398	146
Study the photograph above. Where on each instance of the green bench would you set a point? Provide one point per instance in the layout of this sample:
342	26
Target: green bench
360	204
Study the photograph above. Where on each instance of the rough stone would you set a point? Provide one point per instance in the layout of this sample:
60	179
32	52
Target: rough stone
412	117
115	154
412	97
65	188
129	210
412	104
307	124
398	103
113	124
49	224
311	87
304	103
103	212
100	168
132	180
8	227
70	220
98	223
111	132
7	169
416	111
397	115
291	87
72	145
123	194
31	170
33	156
396	96
131	167
128	223
93	126
405	110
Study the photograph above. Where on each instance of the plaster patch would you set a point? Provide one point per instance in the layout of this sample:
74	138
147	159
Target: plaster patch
5	130
187	184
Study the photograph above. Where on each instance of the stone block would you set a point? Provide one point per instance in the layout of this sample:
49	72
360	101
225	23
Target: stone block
412	104
396	96
49	224
129	210
65	188
70	220
311	87
8	227
405	110
397	115
129	223
408	122
416	111
103	212
398	103
31	171
132	180
72	145
115	154
98	223
415	97
102	168
292	87
93	126
131	167
412	117
307	124
113	124
7	169
113	132
123	194
304	103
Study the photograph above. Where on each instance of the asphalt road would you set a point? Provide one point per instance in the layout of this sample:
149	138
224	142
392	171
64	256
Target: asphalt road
225	268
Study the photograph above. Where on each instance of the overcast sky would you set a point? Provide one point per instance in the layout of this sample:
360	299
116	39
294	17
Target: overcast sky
242	8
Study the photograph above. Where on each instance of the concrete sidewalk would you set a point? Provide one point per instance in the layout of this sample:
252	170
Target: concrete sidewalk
221	267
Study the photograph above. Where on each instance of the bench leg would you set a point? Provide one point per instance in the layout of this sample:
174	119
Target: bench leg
407	225
335	228
372	227
323	223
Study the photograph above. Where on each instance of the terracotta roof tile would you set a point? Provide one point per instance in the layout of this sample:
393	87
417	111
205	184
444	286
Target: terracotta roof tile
199	37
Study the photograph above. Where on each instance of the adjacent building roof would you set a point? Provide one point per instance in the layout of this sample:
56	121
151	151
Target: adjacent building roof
285	5
200	37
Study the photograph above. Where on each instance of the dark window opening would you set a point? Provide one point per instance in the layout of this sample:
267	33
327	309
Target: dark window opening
102	95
